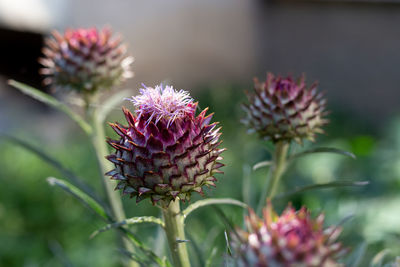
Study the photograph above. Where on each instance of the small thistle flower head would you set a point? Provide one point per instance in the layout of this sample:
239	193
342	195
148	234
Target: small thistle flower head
291	239
85	60
166	151
281	109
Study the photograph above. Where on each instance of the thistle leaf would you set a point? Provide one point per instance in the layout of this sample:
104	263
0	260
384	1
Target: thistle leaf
134	220
212	201
262	164
80	195
55	163
53	102
322	186
322	150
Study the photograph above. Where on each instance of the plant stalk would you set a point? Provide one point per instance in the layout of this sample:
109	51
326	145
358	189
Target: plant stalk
99	143
174	229
275	172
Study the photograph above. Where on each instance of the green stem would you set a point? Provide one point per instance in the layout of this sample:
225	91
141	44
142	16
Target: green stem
275	172
99	143
174	229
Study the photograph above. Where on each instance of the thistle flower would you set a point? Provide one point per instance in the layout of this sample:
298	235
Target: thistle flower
165	152
283	110
292	239
85	60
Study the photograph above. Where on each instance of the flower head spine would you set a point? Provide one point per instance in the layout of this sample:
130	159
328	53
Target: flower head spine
162	103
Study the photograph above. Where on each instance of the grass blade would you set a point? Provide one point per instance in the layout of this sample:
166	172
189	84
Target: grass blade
323	150
134	220
56	164
212	201
322	186
80	195
53	102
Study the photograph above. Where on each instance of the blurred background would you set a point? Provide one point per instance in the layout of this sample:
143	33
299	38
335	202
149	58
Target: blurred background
213	49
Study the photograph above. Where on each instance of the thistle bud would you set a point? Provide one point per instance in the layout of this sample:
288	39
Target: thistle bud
85	60
165	152
292	239
283	110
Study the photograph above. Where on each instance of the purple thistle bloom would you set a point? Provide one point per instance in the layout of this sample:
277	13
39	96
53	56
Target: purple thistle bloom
165	152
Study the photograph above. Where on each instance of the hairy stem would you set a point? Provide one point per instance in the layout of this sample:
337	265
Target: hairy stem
174	229
99	143
275	172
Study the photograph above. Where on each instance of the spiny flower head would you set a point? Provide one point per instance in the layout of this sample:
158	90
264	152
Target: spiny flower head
165	152
282	109
291	239
85	60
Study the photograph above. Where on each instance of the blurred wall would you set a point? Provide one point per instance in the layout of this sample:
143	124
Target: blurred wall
352	49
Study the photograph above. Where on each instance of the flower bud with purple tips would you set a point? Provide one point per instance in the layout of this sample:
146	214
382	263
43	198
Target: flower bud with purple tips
281	109
165	152
85	60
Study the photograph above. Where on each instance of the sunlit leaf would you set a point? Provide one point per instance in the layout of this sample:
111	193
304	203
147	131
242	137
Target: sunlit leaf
80	195
55	163
130	221
212	201
322	186
322	150
262	164
51	101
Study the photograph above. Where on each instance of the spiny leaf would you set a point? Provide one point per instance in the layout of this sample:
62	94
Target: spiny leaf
134	220
262	164
80	195
321	186
322	150
56	164
211	201
53	102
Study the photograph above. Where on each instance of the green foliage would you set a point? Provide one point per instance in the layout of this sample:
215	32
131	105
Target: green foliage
34	215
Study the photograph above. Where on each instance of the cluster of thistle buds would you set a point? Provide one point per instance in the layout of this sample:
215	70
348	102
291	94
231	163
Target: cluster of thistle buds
165	151
281	109
85	60
291	239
